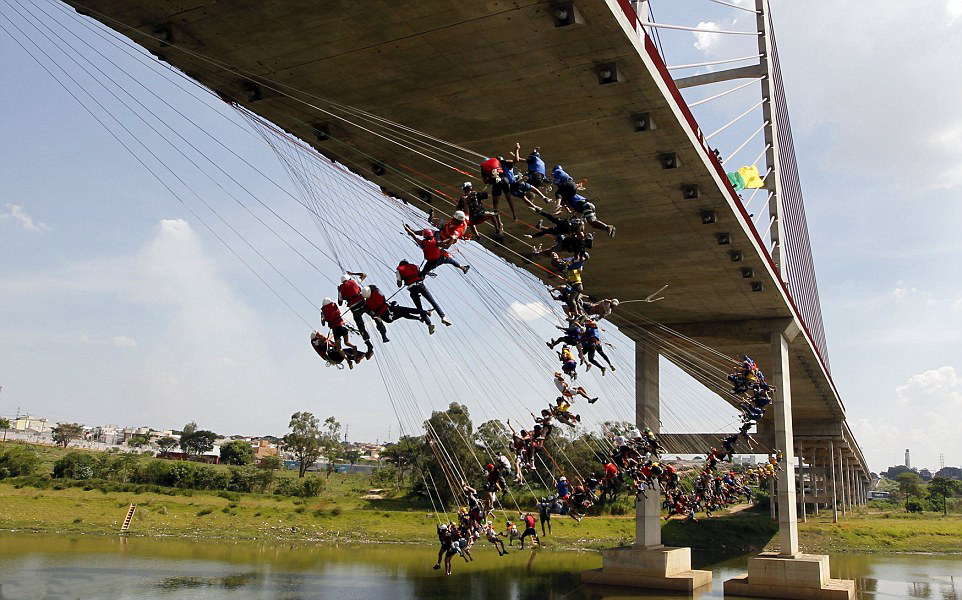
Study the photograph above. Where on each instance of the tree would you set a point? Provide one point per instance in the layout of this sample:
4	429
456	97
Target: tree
944	487
450	435
352	456
197	442
950	472
894	471
271	463
407	452
166	444
330	443
304	440
138	441
493	436
238	453
910	485
64	433
189	428
4	425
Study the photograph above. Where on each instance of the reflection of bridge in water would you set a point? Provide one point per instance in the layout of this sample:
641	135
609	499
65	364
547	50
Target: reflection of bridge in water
585	77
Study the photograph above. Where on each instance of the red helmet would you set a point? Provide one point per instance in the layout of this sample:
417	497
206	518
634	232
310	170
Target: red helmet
490	467
427	233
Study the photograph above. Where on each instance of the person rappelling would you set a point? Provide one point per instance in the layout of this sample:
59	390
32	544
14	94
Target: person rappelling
601	309
567	196
569	391
571	268
410	275
349	293
572	335
453	230
331	316
493	173
518	187
471	202
325	347
537	171
434	254
384	311
591	344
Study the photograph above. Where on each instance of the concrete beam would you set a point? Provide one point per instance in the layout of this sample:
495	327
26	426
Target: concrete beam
749	72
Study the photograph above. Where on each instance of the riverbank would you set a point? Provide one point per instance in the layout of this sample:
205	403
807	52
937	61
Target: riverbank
343	514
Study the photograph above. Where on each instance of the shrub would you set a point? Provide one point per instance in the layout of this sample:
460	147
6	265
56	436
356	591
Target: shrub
18	460
204	511
308	487
75	465
913	506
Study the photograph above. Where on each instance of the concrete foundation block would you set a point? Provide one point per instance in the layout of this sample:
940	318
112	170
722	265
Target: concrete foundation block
803	577
658	568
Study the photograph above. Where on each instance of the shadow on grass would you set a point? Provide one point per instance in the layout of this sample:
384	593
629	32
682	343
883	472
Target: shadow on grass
724	536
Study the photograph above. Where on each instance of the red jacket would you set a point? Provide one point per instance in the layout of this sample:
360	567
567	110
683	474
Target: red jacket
453	230
332	315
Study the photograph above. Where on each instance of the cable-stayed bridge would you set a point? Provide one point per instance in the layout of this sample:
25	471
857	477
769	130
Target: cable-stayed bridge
361	80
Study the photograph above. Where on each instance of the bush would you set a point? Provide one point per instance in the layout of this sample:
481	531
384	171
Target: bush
308	487
913	506
250	479
17	461
75	465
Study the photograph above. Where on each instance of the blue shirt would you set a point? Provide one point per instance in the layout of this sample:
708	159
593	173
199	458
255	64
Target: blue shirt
535	164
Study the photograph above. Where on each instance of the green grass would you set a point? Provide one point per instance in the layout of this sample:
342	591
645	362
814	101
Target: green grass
341	514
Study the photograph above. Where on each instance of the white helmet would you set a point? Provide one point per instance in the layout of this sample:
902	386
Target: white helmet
327	301
614	302
459	215
345	277
562	478
366	292
466	186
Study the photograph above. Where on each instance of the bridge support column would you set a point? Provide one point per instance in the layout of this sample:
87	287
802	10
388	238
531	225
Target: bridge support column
801	482
787	573
648	563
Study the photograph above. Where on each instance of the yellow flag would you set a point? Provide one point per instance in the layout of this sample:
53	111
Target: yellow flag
750	177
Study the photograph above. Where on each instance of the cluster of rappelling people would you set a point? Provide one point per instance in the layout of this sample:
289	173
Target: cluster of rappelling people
568	215
634	464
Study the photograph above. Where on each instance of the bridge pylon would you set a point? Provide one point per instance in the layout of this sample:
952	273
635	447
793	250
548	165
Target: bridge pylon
787	573
648	563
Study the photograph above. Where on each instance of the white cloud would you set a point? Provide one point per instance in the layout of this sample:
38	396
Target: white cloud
705	40
122	341
530	311
15	213
953	9
938	386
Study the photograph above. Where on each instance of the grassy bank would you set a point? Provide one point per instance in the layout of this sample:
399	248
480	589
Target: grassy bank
345	511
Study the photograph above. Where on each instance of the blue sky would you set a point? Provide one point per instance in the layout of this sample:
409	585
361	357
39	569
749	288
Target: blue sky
119	306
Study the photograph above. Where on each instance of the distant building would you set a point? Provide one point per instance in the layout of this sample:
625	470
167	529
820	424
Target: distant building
908	463
31	424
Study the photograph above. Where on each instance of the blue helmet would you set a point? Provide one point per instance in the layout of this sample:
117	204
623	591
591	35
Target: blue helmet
558	174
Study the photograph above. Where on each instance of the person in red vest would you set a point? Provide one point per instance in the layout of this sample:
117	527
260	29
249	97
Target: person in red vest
410	275
386	312
325	348
331	316
434	255
529	523
453	230
349	293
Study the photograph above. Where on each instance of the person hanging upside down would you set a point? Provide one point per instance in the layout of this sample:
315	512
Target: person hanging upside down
471	203
518	187
388	312
410	275
601	309
562	412
569	391
434	255
349	293
572	335
331	316
326	349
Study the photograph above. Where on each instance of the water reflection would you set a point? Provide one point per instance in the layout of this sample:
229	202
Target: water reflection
107	568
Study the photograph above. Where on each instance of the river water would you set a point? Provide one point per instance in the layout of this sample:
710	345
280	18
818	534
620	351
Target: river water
38	567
